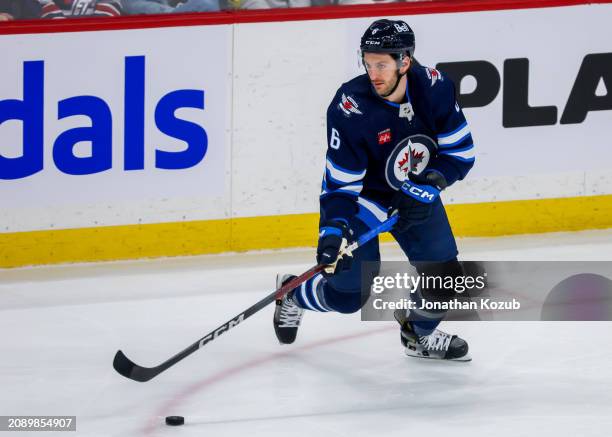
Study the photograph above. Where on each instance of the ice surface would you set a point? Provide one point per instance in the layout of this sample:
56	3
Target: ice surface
61	326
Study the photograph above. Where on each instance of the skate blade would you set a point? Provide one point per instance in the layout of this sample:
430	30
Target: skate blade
463	359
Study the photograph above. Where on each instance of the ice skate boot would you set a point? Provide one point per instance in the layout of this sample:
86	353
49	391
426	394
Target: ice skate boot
287	315
438	345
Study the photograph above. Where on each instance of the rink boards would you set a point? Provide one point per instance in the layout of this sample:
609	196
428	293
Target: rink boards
210	136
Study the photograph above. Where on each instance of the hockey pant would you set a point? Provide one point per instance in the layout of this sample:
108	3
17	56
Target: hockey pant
430	248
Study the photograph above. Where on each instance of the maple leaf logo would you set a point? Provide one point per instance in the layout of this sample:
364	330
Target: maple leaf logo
402	163
417	158
411	160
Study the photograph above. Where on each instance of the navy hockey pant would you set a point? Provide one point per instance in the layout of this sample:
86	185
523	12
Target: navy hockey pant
432	241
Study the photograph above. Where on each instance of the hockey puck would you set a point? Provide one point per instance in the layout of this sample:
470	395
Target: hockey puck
175	420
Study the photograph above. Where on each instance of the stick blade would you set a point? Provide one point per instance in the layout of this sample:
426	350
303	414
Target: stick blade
126	367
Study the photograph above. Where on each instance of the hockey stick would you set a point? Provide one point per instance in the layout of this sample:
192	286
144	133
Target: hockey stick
131	370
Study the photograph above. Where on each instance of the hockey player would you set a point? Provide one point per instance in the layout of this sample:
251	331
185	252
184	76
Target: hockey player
396	138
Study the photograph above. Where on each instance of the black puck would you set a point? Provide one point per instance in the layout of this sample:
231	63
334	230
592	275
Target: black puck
175	420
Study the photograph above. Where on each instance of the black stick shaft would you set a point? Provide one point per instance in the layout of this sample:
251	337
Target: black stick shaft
131	370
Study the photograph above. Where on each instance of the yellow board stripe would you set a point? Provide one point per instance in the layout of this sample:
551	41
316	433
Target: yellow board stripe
273	232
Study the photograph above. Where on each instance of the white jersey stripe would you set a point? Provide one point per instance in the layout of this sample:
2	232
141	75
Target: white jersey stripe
342	175
348	189
448	140
467	154
378	212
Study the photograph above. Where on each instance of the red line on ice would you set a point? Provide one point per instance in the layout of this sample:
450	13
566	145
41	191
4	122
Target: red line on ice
155	421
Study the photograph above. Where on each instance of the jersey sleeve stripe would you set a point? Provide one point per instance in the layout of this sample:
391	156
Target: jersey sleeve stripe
343	175
329	177
378	211
352	190
457	149
454	131
465	154
340	179
455	137
466	160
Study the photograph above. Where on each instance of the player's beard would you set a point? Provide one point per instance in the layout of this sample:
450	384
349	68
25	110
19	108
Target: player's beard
390	87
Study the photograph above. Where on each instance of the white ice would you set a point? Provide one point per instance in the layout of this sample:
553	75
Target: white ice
61	326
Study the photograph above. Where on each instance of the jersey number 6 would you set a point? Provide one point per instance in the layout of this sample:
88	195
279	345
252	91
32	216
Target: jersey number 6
334	141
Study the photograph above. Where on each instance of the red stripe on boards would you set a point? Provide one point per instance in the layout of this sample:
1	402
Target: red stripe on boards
87	24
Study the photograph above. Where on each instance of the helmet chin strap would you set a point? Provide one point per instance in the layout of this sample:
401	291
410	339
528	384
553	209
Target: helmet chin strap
397	81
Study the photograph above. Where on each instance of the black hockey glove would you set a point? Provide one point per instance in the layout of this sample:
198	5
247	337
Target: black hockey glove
334	237
414	200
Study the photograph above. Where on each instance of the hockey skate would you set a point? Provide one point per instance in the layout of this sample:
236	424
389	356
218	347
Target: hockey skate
287	315
438	345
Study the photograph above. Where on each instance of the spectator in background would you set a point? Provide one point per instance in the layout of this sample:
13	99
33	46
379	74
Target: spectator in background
81	8
133	7
371	2
19	9
275	4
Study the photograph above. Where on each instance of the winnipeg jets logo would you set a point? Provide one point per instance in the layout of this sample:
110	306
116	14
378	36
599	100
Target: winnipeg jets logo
411	155
411	160
433	75
349	106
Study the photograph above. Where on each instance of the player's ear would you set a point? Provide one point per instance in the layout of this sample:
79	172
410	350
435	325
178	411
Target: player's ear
406	62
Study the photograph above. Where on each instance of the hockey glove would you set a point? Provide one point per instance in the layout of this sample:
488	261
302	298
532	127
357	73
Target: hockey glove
334	237
414	200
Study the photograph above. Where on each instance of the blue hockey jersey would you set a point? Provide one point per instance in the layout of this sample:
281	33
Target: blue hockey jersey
374	144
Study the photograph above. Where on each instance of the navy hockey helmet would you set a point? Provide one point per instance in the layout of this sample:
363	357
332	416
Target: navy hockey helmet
388	36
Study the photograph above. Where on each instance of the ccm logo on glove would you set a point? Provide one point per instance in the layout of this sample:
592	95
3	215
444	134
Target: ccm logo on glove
427	194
